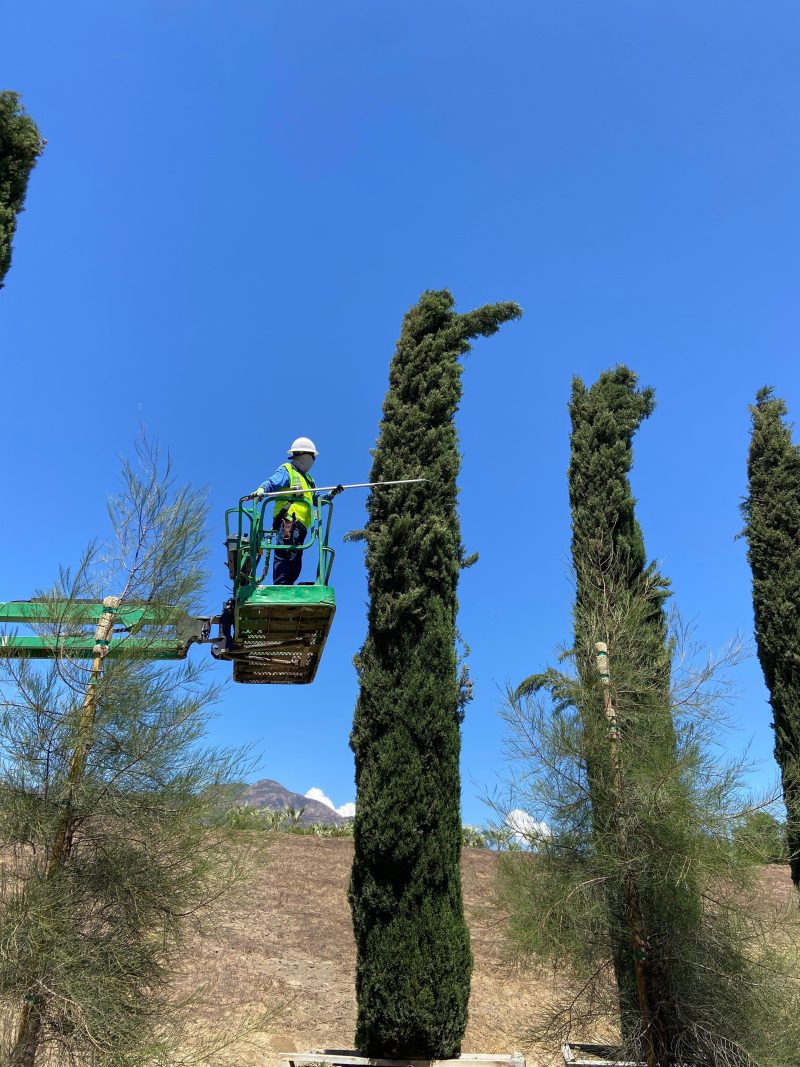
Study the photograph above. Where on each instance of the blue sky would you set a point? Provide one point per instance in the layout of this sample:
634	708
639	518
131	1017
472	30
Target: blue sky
238	202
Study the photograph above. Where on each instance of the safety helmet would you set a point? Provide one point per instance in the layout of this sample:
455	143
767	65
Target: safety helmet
303	444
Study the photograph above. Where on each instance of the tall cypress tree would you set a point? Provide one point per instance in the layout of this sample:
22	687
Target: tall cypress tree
652	907
413	955
772	514
638	879
20	144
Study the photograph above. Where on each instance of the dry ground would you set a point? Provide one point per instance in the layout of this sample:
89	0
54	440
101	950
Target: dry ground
288	945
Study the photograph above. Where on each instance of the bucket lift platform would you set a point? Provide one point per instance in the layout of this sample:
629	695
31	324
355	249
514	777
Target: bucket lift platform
281	632
274	633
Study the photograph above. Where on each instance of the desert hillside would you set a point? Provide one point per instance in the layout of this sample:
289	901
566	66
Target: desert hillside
287	944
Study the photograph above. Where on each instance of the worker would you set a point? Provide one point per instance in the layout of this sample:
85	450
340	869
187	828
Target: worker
292	515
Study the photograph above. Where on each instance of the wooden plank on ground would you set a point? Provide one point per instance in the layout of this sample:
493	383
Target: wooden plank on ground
586	1055
347	1058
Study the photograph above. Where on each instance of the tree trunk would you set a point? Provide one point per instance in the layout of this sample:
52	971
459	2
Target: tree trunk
633	911
26	1042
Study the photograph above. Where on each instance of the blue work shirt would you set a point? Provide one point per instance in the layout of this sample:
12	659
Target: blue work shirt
281	480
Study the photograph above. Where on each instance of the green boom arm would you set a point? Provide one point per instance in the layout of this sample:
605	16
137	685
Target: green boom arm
139	630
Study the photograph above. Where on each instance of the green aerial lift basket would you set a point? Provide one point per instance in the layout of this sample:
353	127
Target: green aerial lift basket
274	633
280	632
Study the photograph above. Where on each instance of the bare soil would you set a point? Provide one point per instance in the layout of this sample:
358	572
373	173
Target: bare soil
281	959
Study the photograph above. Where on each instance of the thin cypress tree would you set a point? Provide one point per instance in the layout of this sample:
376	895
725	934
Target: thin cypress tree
610	566
413	955
20	145
772	514
637	893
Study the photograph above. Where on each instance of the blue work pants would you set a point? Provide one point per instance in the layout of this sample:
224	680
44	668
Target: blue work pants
287	563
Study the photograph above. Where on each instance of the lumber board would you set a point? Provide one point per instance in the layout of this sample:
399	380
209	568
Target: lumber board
346	1058
583	1054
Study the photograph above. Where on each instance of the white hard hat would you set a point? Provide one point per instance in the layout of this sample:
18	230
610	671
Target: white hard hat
303	444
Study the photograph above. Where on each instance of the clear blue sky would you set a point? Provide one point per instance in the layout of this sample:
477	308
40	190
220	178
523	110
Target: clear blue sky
239	201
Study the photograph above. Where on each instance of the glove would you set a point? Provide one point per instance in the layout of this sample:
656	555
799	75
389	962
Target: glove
258	493
335	492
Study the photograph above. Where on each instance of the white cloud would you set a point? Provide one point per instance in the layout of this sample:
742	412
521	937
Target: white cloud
316	794
347	811
524	828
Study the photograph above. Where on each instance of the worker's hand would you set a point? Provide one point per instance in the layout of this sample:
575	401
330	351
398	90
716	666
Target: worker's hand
335	492
258	493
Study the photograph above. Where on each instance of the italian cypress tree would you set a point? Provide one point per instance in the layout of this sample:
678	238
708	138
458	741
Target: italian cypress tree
20	145
611	567
772	514
413	955
637	893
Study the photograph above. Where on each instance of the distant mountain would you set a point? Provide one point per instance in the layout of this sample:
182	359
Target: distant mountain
274	797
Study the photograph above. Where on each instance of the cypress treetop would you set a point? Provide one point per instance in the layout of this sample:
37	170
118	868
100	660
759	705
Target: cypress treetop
604	419
608	548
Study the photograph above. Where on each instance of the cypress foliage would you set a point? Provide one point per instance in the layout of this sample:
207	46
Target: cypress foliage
772	514
413	955
610	567
20	145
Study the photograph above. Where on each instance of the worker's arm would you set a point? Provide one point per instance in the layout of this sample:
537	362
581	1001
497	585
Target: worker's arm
279	480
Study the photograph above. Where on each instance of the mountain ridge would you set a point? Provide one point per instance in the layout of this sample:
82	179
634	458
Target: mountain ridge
269	794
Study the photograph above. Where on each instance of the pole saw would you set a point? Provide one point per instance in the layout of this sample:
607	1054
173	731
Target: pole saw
329	488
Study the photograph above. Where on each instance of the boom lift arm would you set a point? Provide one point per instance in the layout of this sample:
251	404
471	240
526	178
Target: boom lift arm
60	623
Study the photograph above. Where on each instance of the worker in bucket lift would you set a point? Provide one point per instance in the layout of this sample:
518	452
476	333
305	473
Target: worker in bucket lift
292	515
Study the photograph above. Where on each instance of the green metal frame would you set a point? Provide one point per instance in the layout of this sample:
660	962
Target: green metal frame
254	540
12	646
57	618
78	611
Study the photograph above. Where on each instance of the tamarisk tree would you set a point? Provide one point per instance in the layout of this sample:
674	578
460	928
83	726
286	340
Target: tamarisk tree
20	145
108	799
413	955
772	513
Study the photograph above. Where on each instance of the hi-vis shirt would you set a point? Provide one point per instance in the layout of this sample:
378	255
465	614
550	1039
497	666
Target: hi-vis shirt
300	504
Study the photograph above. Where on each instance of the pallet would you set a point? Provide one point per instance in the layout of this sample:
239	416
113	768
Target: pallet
584	1054
341	1058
